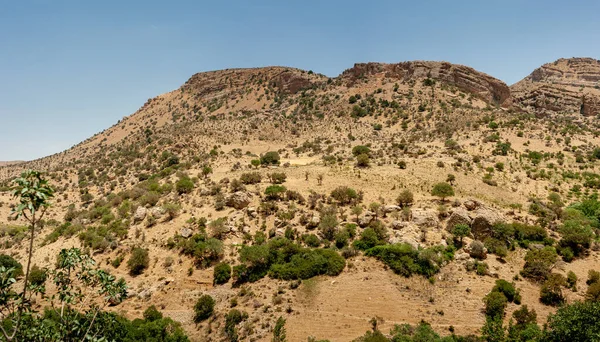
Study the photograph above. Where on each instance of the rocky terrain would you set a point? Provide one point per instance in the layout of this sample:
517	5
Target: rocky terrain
370	173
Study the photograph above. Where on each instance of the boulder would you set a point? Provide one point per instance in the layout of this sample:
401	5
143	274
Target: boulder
140	214
458	216
471	205
238	200
483	221
391	208
252	212
314	221
157	212
398	225
366	219
186	232
425	217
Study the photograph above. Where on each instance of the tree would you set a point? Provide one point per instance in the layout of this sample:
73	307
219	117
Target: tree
375	207
362	160
356	211
442	190
360	149
450	179
184	185
344	195
255	163
34	193
405	198
495	304
460	231
578	322
270	158
138	261
551	290
279	330
206	170
222	273
203	308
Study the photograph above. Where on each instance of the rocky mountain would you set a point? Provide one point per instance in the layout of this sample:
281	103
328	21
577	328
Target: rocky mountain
565	86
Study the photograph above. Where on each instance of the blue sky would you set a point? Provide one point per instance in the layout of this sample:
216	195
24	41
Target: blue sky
69	69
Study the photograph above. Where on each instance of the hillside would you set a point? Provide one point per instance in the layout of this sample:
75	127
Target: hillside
318	192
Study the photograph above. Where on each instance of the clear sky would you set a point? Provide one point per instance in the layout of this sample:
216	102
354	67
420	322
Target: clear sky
69	69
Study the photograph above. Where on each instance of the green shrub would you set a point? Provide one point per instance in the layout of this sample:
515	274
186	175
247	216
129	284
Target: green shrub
277	177
203	308
593	292
506	288
593	277
9	262
551	290
360	149
204	250
274	192
222	273
572	280
37	275
495	304
362	160
250	178
270	158
442	190
138	261
578	322
232	319
344	195
405	260
184	185
405	198
539	263
309	263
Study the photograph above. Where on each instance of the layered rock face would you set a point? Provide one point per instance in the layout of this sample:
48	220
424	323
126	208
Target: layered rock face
566	86
465	78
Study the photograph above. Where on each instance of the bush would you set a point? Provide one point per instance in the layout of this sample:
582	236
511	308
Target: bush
37	275
277	177
572	280
368	239
311	240
442	190
274	192
250	178
405	260
9	262
506	288
495	304
184	185
344	195
539	263
593	292
308	264
578	322
362	160
551	290
270	158
460	231
405	198
593	277
221	273
203	308
360	149
138	261
576	236
232	319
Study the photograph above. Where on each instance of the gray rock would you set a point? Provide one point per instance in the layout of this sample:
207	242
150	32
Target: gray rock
238	200
471	205
425	217
140	214
483	221
391	208
458	216
186	232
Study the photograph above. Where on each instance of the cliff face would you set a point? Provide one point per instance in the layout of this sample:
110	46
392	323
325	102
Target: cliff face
465	78
566	86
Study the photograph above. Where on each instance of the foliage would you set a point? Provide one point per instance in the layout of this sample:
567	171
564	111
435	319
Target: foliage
539	263
10	263
495	304
221	273
442	190
138	261
270	158
405	198
551	290
279	333
344	195
405	260
204	308
274	192
184	185
577	322
360	149
250	177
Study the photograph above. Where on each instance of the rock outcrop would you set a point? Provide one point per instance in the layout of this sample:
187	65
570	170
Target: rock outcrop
464	78
566	86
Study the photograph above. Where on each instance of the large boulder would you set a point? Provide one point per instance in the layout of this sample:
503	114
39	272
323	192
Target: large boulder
140	214
157	212
425	217
391	208
186	232
366	219
458	216
483	221
471	205
238	200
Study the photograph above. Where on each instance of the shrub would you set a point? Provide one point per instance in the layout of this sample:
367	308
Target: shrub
37	275
405	198
270	158
505	288
138	261
360	149
405	260
172	210
576	236
362	160
538	263
274	192
221	273
184	185
344	195
442	190
572	280
551	290
152	314
9	262
593	292
368	239
250	178
460	231
593	277
328	226
277	177
309	264
578	322
203	308
477	250
495	304
232	319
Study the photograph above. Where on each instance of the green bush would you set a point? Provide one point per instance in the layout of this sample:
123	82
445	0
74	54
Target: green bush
274	192
9	262
593	277
344	195
232	319
37	275
442	190
578	322
203	308
360	149
593	292
405	198
551	290
250	177
184	185
138	261
506	288
204	250
277	177
539	263
362	160
270	158
495	304
222	273
405	260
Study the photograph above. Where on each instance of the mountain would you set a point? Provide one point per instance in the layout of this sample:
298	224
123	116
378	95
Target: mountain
322	194
563	86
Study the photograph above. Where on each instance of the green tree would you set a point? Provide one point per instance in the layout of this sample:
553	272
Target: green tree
203	308
221	273
279	333
442	190
270	158
461	230
138	261
578	322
